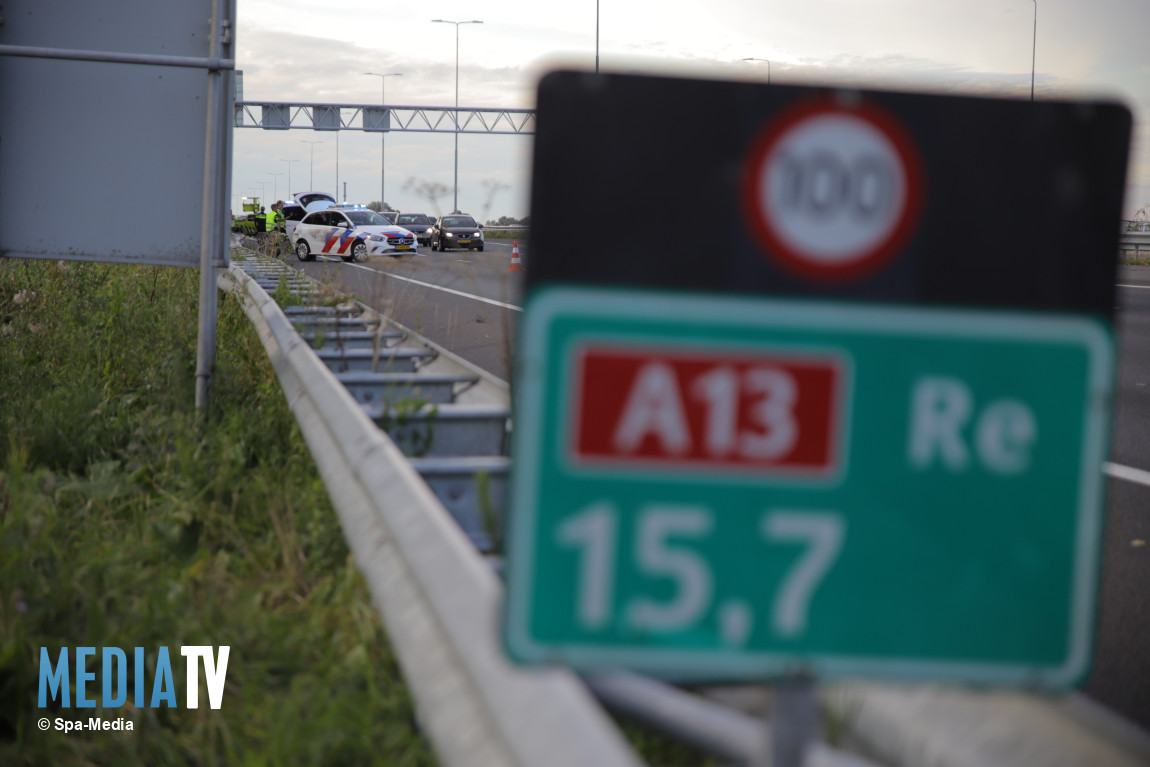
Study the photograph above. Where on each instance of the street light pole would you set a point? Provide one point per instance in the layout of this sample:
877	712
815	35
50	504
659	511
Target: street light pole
311	170
1034	46
275	184
289	162
455	197
382	133
596	36
768	67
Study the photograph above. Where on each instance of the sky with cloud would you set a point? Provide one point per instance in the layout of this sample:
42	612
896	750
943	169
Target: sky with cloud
301	51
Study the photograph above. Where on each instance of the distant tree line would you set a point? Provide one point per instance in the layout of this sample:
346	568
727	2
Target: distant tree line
509	221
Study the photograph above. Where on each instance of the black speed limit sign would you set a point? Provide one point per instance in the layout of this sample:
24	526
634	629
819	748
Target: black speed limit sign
832	187
803	191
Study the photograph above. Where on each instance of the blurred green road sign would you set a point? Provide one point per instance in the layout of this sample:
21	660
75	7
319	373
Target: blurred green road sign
848	416
732	487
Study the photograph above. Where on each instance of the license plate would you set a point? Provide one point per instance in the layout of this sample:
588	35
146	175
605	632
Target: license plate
465	242
402	247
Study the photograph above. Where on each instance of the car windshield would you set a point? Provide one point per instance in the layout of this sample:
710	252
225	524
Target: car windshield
458	221
412	219
366	218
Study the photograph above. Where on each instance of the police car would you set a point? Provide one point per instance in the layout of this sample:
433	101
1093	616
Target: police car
351	232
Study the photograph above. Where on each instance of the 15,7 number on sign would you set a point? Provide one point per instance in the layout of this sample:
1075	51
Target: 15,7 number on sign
661	551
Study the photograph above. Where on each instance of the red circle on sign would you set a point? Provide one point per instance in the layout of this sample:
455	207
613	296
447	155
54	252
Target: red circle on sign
813	134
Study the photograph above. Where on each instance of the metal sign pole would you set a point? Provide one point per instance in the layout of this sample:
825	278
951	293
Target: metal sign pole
217	163
796	721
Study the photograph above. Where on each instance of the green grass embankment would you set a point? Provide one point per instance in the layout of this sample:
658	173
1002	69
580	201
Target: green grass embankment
127	521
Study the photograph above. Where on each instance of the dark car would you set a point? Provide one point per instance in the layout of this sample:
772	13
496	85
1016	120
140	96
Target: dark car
421	224
456	230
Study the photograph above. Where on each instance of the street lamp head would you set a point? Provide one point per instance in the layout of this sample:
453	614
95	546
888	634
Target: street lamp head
766	61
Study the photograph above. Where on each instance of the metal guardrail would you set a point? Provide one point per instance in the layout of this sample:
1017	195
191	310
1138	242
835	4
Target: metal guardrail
1134	240
438	596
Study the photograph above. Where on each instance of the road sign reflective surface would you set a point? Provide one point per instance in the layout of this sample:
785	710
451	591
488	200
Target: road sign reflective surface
858	427
943	521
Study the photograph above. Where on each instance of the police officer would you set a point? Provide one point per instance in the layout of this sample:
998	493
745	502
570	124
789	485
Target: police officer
275	219
261	221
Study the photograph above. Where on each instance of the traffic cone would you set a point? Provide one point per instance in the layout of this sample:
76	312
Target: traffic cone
516	264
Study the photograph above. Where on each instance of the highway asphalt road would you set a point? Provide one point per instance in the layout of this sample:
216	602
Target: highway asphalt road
464	300
470	303
1120	677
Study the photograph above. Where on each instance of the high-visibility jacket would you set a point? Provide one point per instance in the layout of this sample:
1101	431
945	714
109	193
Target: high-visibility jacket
275	220
261	222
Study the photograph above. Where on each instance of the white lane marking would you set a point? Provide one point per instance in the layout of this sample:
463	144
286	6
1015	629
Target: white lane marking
1118	471
1127	473
519	309
491	301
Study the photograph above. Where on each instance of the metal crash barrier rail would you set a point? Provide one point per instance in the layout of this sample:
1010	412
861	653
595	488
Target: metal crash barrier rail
1136	241
439	598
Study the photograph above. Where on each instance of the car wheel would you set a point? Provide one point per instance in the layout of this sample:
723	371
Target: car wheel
480	248
303	252
358	251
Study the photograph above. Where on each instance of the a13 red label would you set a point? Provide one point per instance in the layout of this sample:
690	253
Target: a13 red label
778	412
